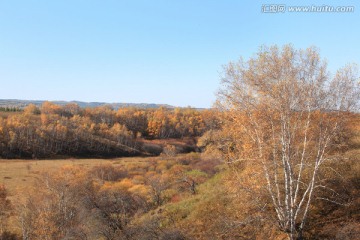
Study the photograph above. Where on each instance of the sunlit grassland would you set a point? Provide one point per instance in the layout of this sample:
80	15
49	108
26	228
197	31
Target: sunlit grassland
20	175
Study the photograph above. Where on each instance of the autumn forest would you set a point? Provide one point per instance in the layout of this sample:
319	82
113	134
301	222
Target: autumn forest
276	157
54	130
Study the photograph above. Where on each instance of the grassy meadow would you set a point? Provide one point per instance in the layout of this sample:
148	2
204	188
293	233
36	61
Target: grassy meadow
20	175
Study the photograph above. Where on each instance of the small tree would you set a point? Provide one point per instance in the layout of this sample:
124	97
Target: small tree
283	111
188	179
158	185
53	210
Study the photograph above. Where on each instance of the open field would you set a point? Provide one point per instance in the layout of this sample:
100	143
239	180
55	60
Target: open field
18	175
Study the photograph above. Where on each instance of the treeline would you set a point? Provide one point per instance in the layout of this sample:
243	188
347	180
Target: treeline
10	109
69	130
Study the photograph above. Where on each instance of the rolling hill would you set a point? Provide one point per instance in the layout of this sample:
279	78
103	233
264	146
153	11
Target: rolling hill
16	103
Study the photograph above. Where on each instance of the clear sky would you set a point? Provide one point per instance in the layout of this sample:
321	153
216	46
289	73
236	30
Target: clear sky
152	51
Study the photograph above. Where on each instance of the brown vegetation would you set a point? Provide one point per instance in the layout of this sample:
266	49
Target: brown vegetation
279	160
285	113
68	130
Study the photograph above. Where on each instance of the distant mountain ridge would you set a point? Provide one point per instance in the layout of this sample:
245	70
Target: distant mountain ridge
16	103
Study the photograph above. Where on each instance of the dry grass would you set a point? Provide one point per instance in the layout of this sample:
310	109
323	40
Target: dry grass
19	175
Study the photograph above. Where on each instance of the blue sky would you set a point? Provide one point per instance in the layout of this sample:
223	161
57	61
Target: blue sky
152	51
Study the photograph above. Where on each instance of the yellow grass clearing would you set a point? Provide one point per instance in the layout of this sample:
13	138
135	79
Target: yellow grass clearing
18	175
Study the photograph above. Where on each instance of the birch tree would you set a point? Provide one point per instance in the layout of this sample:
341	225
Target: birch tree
286	110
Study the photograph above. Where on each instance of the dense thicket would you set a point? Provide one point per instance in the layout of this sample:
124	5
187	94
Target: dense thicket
69	130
